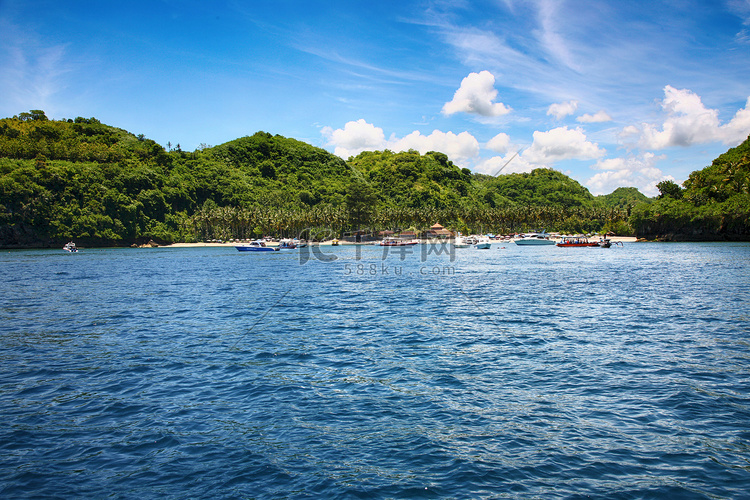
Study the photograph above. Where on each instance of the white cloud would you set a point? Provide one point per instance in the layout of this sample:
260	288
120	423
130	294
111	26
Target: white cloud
32	73
559	144
360	136
738	129
635	171
550	35
689	122
598	117
499	143
562	109
475	96
355	138
460	148
508	164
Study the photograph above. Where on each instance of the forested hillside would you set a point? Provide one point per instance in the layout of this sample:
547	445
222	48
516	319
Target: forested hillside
713	203
101	185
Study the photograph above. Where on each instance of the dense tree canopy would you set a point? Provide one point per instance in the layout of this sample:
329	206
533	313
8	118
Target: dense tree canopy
81	179
713	205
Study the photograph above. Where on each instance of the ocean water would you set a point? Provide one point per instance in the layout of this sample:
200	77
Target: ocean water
362	372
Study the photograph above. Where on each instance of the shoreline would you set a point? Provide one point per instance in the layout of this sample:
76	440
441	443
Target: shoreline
621	239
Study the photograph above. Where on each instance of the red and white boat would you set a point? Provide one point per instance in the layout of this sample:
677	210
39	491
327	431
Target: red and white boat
576	241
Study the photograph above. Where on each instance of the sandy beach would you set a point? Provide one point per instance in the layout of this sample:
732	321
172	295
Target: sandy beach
622	239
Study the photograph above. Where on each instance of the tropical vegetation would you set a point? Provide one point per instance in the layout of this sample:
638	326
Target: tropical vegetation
100	185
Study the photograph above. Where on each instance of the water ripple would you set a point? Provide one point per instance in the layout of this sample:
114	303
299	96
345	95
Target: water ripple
499	374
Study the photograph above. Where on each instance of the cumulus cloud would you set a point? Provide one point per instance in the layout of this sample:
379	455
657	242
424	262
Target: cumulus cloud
355	138
689	122
635	171
460	148
500	143
475	96
598	117
358	136
563	109
559	144
508	164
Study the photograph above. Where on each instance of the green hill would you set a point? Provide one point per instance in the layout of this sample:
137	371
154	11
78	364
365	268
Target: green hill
624	198
713	203
101	185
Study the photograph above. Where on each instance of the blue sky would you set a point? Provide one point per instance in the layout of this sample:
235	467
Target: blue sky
612	93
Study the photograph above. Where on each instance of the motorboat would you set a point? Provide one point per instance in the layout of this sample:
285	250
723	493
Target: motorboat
535	239
395	242
460	242
483	244
287	244
256	246
70	247
577	241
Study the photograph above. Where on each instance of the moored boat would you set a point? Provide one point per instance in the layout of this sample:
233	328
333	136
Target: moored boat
255	246
535	239
395	242
607	243
577	241
460	242
483	244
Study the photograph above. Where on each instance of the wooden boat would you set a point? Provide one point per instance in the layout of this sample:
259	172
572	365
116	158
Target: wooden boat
395	242
607	243
577	241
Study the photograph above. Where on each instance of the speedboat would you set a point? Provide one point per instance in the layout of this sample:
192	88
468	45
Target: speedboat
70	247
535	239
483	244
287	244
256	246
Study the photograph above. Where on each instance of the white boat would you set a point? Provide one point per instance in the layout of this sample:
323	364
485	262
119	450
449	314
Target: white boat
535	239
460	242
484	244
70	247
256	246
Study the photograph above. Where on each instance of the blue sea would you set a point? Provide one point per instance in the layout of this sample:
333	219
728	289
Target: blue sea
364	372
